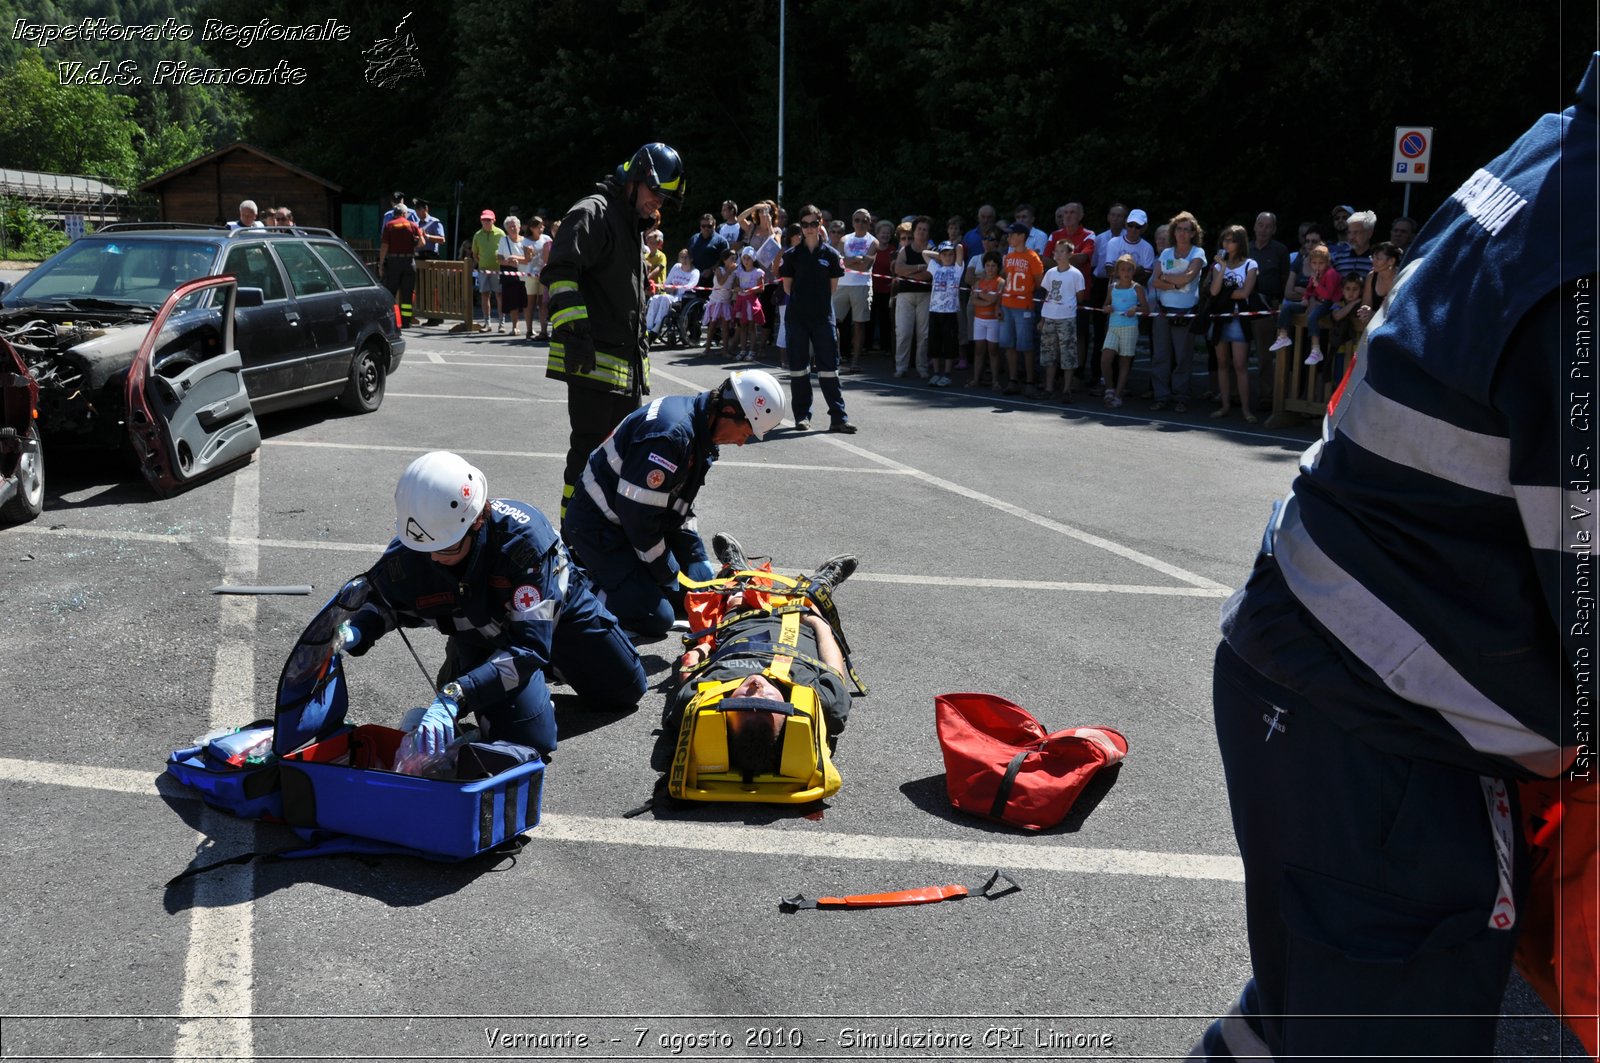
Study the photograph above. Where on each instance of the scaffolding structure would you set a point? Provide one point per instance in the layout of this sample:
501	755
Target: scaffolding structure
54	196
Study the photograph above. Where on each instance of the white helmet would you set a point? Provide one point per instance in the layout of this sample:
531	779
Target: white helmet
761	397
437	499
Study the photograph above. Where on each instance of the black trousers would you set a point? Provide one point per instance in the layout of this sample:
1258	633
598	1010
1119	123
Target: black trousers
592	414
400	277
1370	888
813	341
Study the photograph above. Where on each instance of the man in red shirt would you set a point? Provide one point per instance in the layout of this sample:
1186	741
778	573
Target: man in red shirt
397	250
1021	271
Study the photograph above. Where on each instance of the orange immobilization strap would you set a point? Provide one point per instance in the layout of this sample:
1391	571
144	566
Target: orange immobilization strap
925	895
920	895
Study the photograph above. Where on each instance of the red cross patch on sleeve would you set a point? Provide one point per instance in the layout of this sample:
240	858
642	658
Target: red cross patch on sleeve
526	597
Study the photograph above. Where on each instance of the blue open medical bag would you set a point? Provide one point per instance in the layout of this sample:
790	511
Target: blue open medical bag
328	775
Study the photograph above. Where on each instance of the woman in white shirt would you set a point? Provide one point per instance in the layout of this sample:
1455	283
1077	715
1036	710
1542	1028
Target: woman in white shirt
1176	286
513	295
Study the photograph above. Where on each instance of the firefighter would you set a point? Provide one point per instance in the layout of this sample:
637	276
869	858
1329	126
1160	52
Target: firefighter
493	577
631	522
594	277
397	250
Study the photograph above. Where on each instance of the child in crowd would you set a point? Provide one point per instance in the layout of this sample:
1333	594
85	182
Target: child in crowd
719	308
1322	289
1058	324
944	313
655	260
1346	325
747	309
986	321
1124	298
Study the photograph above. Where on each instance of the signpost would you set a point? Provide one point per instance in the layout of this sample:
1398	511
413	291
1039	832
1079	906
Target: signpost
1413	158
74	227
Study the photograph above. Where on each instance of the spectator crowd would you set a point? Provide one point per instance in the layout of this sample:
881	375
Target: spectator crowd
1004	305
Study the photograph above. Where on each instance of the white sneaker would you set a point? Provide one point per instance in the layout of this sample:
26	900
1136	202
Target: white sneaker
1314	357
1280	343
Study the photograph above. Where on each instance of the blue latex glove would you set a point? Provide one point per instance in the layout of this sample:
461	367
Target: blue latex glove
700	571
437	728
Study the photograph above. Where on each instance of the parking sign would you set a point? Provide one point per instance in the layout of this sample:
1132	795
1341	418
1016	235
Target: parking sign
1413	148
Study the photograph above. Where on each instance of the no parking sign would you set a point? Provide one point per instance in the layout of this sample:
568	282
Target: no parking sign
1413	148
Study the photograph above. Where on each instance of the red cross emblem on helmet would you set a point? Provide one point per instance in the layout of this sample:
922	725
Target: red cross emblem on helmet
761	401
466	490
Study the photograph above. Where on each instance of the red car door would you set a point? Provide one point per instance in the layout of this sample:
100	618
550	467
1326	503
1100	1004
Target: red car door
188	414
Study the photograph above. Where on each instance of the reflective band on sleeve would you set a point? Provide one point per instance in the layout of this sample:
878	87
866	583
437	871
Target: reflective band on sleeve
507	669
613	459
608	369
1556	519
1409	437
570	314
563	286
652	554
643	496
563	566
681	507
1397	652
591	487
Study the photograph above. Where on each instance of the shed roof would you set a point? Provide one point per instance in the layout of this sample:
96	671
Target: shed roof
155	182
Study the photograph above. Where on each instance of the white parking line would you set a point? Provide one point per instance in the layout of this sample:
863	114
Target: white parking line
218	971
767	841
1212	586
470	398
413	449
722	463
1041	585
1068	530
907	579
1087	409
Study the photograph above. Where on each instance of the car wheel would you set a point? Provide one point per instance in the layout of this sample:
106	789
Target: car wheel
364	392
29	502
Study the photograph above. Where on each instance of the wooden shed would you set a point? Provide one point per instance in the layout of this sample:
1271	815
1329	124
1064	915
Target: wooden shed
210	188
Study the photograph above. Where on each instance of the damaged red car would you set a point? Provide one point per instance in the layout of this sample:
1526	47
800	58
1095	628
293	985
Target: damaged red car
119	342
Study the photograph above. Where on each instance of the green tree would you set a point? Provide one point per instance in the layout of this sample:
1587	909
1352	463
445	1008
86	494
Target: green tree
79	129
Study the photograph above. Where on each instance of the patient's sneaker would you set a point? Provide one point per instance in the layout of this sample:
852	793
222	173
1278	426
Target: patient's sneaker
729	552
835	570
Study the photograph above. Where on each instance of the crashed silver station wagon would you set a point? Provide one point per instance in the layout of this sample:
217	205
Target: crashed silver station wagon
303	321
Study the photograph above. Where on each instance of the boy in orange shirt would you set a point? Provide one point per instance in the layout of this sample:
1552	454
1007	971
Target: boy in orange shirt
1022	271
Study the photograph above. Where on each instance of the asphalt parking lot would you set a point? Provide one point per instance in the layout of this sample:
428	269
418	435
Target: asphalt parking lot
1072	559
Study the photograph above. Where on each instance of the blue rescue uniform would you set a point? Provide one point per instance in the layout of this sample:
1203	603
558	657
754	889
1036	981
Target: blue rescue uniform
1408	640
631	520
514	608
